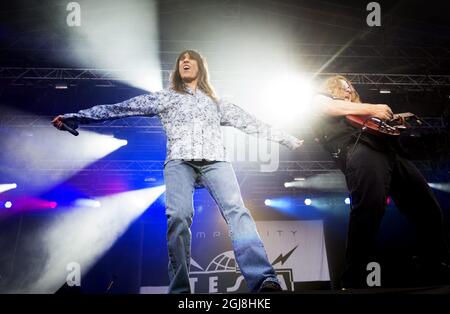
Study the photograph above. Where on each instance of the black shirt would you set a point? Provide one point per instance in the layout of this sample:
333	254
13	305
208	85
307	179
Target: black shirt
337	135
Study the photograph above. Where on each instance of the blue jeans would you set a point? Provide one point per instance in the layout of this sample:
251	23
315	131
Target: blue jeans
219	178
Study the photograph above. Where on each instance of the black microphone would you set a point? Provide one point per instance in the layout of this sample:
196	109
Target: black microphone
67	128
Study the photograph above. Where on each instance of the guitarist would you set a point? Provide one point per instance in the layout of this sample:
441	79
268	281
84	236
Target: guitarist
374	171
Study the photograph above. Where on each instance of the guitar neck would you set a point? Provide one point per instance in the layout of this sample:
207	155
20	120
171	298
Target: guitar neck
403	115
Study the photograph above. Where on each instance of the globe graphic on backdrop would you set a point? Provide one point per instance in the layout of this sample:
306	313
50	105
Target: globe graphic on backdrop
223	262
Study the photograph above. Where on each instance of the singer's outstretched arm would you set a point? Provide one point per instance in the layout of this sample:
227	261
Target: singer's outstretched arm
144	105
232	115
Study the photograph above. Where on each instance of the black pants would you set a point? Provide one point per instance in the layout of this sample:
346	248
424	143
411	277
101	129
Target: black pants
371	177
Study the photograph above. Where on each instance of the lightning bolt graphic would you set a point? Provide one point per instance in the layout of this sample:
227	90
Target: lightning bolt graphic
282	258
195	264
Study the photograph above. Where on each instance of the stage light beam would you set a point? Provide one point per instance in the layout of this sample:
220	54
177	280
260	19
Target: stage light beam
321	182
126	38
87	203
444	187
83	235
52	150
286	93
279	203
7	187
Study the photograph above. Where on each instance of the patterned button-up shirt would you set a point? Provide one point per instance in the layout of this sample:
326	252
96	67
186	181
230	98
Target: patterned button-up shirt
192	122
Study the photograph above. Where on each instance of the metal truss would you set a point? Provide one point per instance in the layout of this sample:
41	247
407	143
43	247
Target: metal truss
289	166
294	167
137	166
24	121
310	164
398	80
104	166
27	121
111	77
51	76
298	167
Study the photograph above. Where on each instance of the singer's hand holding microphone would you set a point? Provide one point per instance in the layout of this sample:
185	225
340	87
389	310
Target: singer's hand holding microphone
59	123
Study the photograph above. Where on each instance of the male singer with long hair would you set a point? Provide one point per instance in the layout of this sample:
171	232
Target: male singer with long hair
192	116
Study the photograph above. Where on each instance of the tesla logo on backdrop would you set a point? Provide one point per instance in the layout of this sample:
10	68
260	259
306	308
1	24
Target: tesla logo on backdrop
222	275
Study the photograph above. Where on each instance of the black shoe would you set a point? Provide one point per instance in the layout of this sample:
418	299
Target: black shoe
270	287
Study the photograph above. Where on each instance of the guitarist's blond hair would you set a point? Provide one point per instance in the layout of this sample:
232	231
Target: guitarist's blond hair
333	87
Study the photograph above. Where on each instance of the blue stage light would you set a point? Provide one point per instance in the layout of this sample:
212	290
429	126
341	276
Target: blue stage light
6	187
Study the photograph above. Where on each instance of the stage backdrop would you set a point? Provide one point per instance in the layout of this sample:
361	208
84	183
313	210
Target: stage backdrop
295	248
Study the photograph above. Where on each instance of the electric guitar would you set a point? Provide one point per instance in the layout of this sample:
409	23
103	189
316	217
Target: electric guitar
379	127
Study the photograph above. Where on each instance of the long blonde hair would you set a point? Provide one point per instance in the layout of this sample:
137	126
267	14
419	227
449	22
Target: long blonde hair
203	76
333	86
